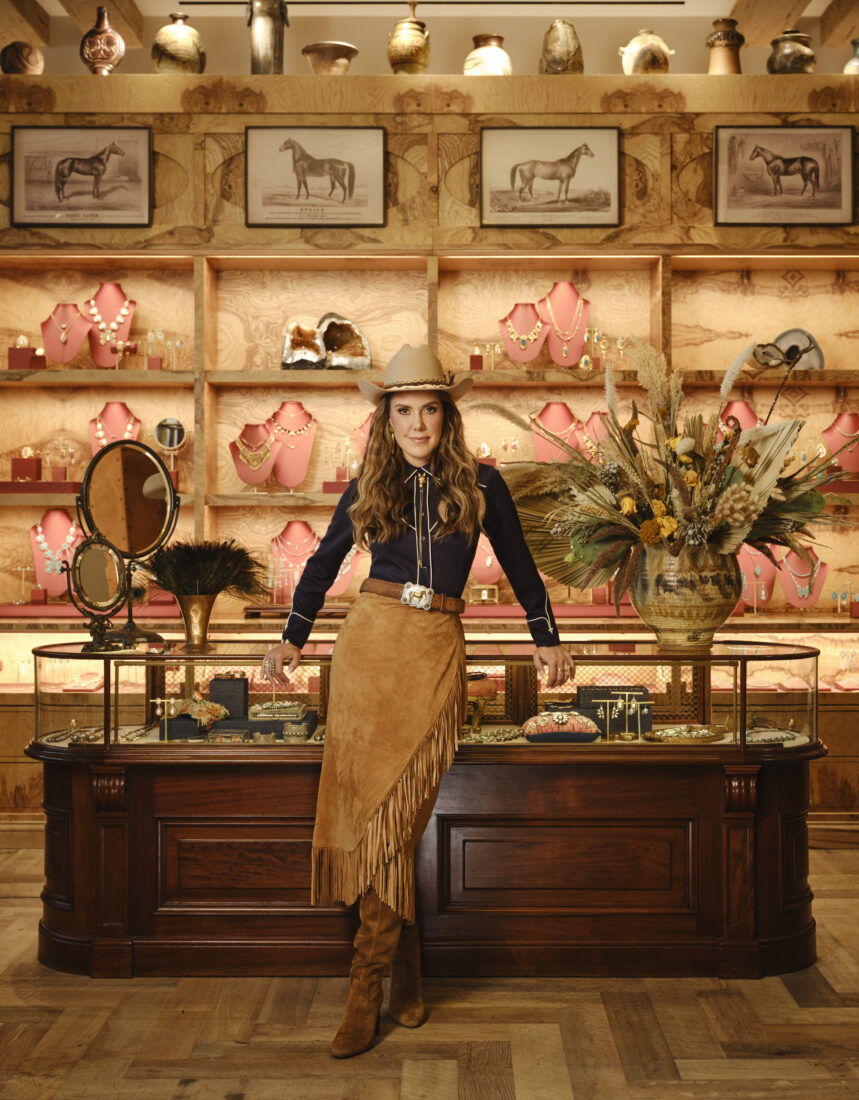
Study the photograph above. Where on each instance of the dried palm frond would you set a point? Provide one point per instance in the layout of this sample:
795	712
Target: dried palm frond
207	568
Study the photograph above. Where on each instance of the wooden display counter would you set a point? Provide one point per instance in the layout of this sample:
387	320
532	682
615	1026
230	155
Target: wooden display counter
539	860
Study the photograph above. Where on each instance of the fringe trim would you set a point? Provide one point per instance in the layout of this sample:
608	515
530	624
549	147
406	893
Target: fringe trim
381	859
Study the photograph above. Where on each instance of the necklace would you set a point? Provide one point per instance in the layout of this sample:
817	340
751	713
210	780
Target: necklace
564	434
290	432
254	454
301	552
566	336
107	331
852	436
102	438
802	590
53	558
523	339
755	554
347	562
65	327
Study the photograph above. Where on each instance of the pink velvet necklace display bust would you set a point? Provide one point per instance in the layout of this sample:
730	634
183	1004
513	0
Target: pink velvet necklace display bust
844	432
115	421
523	332
290	551
295	429
111	313
54	540
64	332
759	575
802	579
565	315
556	417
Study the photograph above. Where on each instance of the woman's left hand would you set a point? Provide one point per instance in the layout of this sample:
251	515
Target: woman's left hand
556	662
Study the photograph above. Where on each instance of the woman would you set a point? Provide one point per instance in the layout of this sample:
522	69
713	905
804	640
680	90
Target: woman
398	685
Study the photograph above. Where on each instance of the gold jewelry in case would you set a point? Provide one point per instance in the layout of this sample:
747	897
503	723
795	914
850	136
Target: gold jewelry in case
565	336
279	710
523	339
686	734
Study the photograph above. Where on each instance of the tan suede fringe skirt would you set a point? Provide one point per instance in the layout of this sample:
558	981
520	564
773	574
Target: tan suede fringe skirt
396	704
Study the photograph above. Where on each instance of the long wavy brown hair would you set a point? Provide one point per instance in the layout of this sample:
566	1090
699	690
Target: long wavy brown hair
379	510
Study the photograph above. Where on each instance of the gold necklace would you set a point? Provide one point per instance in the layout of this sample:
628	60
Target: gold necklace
102	437
524	339
566	336
66	328
107	332
254	454
281	430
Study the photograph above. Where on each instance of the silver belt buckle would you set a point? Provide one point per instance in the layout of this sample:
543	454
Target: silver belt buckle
417	595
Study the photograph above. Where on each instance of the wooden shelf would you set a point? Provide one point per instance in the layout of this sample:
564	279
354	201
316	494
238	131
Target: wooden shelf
108	379
324	379
282	499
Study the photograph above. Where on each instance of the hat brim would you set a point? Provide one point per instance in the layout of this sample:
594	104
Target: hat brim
374	393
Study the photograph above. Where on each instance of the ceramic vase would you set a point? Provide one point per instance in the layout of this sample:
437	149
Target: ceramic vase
102	48
646	52
266	19
562	51
851	68
21	57
409	44
791	53
178	48
196	613
685	599
724	42
488	58
329	58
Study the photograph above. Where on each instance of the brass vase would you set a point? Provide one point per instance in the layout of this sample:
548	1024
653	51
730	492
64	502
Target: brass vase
196	612
409	44
685	599
102	48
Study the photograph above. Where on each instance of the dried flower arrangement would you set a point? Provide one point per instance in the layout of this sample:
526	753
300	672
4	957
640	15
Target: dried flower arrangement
690	482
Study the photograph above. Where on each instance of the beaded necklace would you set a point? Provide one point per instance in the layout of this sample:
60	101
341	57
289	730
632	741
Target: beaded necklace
107	331
54	558
101	437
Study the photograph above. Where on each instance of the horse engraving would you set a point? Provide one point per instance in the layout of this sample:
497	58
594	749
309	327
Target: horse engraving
339	172
778	166
94	166
561	170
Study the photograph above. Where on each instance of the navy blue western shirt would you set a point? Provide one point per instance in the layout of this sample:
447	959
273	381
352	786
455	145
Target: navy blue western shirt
416	556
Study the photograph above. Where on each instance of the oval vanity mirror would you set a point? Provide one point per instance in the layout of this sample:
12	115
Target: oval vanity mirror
99	575
128	497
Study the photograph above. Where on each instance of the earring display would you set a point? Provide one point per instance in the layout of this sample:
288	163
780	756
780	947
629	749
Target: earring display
115	421
842	437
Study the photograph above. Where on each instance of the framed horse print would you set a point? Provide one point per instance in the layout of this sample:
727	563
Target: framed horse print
89	176
550	175
314	176
783	175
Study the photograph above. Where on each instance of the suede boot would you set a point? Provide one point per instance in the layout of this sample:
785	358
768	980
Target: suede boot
407	1002
375	944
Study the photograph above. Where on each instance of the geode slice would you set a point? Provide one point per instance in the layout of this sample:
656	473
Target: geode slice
346	347
302	348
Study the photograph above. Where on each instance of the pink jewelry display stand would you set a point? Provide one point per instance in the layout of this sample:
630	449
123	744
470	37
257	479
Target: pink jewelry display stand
254	438
743	411
115	421
61	536
844	432
290	551
523	332
361	434
295	430
759	575
111	312
64	332
556	417
486	569
798	576
565	316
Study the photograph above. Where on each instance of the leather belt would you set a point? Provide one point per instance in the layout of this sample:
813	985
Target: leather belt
440	602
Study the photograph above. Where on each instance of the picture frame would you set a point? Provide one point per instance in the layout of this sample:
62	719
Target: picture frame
550	175
87	176
783	175
314	176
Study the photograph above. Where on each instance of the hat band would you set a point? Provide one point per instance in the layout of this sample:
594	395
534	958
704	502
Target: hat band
443	383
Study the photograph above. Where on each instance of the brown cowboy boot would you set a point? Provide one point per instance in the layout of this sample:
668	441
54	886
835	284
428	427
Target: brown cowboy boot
375	943
407	1002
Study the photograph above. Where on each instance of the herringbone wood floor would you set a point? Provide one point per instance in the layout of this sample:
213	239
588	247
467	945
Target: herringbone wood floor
68	1037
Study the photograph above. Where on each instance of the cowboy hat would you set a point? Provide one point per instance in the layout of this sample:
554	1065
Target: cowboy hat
414	369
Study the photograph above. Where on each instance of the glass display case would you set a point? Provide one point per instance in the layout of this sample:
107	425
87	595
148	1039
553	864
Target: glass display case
632	694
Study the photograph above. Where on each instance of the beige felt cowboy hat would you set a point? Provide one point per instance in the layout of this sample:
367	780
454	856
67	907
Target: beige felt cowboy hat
414	369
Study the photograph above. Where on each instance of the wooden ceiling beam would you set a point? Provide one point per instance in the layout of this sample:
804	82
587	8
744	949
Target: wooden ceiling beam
839	23
761	20
24	21
124	16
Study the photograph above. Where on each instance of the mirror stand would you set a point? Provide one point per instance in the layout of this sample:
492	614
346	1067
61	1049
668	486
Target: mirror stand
129	635
98	626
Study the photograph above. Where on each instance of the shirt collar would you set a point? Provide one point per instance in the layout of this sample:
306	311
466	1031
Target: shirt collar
420	470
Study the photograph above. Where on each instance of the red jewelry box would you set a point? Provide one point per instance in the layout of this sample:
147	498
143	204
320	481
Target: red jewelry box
26	359
38	595
27	469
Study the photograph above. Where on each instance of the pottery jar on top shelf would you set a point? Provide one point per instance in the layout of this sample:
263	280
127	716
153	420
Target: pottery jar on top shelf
409	44
646	52
791	53
21	57
102	48
266	19
852	66
724	42
178	48
562	51
488	58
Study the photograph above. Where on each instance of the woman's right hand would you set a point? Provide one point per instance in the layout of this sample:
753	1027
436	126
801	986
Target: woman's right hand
279	661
